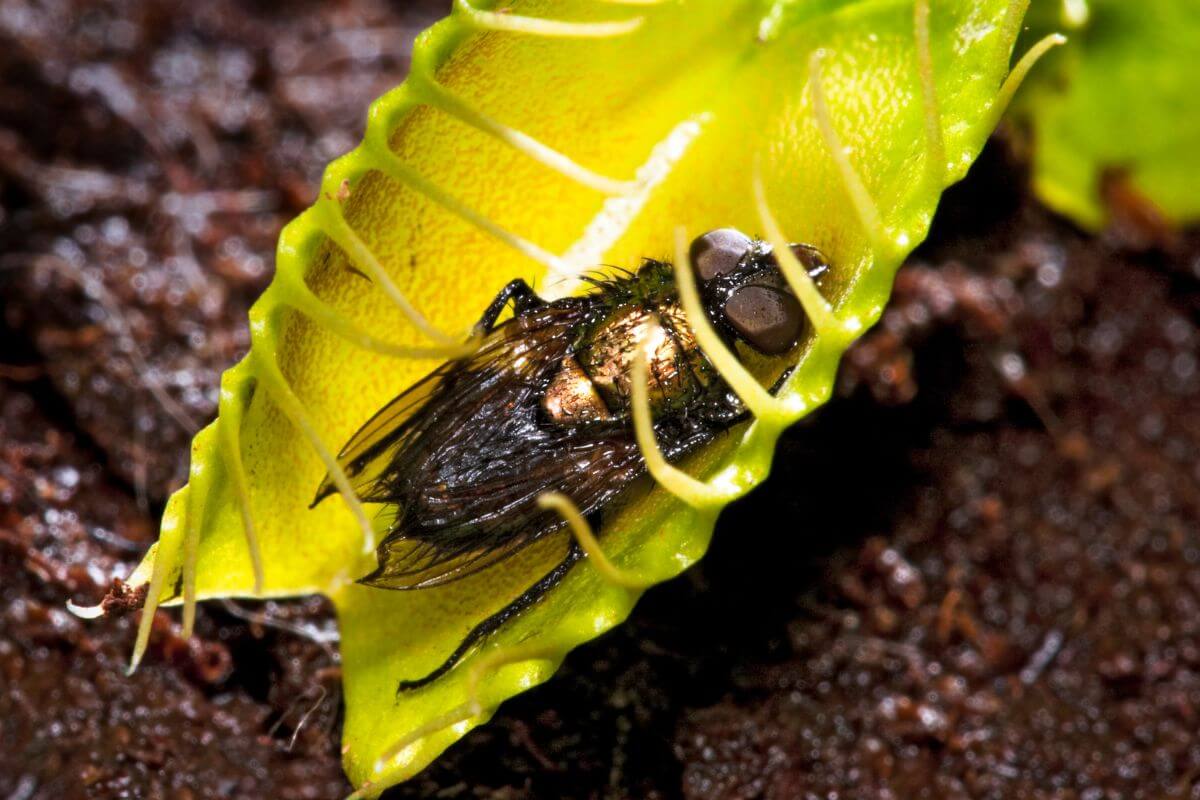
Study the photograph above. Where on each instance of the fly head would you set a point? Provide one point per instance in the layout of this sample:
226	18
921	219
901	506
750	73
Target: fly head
745	294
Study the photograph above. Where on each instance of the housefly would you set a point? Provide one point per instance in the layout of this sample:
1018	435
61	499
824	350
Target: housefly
544	405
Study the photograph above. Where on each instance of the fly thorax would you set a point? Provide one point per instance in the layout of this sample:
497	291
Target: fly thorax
675	365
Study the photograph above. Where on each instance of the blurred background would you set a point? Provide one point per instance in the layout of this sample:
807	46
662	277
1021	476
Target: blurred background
973	574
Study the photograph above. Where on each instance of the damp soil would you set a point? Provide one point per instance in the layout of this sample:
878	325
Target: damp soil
974	574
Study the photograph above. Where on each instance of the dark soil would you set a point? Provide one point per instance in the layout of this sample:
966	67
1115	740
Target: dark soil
149	154
975	573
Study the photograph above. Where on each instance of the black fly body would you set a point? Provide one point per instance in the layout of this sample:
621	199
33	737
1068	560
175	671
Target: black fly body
544	405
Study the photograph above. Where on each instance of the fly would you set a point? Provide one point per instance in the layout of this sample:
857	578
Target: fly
544	405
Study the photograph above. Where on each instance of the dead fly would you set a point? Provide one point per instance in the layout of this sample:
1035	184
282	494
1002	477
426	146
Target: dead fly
544	405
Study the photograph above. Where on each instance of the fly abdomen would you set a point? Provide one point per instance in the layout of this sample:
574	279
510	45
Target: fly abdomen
572	397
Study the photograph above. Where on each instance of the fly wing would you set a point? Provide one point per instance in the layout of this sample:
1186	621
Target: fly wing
361	457
462	456
464	472
471	526
413	415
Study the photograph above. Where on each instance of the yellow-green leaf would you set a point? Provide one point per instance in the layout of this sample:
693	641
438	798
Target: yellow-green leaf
522	147
1120	97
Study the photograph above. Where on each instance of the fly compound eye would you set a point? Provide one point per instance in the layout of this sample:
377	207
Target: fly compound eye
812	259
718	252
769	319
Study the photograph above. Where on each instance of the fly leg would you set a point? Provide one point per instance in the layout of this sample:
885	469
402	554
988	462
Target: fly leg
581	529
781	380
493	623
522	297
726	411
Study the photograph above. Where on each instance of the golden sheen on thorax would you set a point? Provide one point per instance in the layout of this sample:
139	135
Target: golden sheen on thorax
676	369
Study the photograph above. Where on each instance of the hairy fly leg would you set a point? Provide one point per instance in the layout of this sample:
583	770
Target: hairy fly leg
493	623
519	293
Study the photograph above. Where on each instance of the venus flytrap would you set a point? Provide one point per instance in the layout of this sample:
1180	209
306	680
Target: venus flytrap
541	142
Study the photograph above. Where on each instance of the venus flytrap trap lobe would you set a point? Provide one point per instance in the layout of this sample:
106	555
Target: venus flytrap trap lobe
435	240
1114	118
229	409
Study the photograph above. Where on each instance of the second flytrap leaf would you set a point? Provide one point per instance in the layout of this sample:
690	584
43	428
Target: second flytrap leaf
1119	103
539	141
